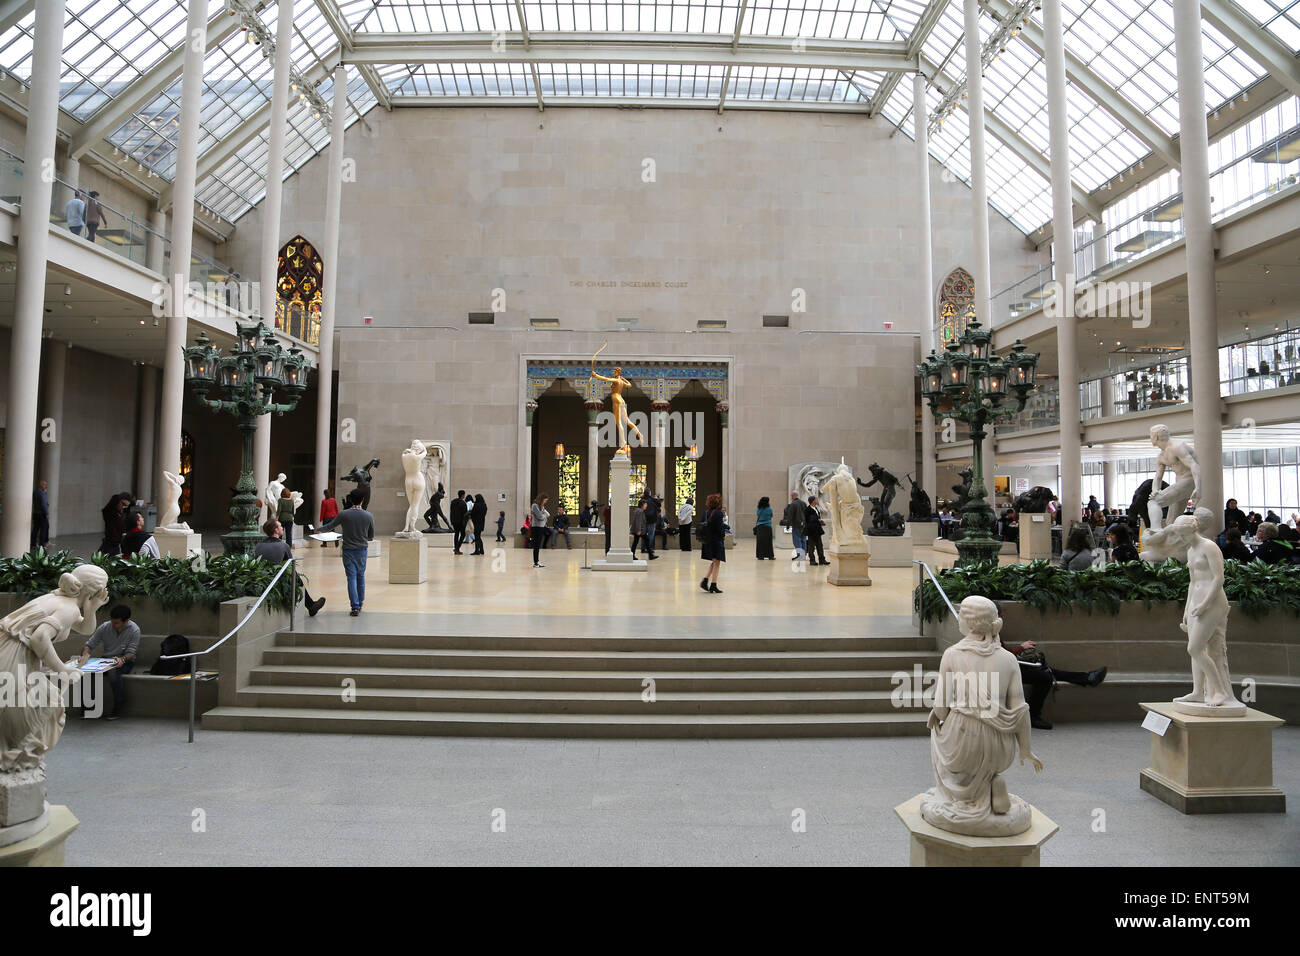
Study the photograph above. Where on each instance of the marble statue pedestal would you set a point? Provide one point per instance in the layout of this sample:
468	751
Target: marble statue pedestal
923	533
408	561
44	847
178	544
620	556
892	550
1035	537
849	568
1214	764
930	846
373	551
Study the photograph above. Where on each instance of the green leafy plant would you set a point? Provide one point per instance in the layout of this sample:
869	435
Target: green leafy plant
176	583
1255	587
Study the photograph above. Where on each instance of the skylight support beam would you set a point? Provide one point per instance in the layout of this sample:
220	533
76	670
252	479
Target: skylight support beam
1260	45
929	19
11	11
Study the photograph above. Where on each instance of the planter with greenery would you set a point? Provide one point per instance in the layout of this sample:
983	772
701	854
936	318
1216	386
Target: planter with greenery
1257	589
177	584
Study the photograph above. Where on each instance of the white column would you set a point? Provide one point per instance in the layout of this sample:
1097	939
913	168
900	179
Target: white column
526	465
329	290
982	272
146	441
155	248
925	268
271	219
52	387
1109	473
657	430
1203	332
187	151
1067	346
29	292
593	453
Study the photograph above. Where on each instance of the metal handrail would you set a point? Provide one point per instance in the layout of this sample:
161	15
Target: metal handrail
293	599
942	593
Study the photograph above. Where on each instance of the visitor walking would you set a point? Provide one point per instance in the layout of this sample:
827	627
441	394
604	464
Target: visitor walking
75	213
94	215
284	512
501	526
813	531
714	546
763	531
40	515
329	507
638	525
794	520
604	520
358	531
685	516
277	550
478	517
459	516
539	516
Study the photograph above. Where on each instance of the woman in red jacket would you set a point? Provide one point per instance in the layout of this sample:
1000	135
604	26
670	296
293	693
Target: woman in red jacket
329	508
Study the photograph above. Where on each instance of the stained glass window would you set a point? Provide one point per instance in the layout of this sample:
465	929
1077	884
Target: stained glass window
298	295
684	475
570	490
637	479
956	304
187	472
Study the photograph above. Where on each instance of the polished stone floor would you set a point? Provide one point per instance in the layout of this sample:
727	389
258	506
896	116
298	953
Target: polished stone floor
270	798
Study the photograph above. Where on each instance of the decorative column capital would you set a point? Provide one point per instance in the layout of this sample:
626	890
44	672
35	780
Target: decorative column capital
723	408
660	406
593	410
530	409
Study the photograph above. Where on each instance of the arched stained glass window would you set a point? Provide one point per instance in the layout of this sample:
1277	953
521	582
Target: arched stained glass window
298	290
956	304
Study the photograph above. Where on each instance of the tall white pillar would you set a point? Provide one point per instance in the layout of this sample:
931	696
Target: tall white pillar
155	247
526	463
982	272
29	292
271	219
659	411
146	441
329	290
187	152
593	453
53	382
1067	342
1109	473
925	269
1203	331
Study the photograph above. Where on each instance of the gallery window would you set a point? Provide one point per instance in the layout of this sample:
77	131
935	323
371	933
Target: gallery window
637	481
298	290
569	493
685	471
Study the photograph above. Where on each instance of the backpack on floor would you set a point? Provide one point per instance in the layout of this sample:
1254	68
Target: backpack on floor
173	644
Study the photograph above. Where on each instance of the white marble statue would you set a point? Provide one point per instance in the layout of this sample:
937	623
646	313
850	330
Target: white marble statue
413	464
1185	489
840	492
31	726
978	721
271	498
1157	546
169	520
1205	621
806	478
435	469
296	498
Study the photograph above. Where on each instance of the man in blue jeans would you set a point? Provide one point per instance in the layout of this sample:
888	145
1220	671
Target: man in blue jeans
120	638
358	531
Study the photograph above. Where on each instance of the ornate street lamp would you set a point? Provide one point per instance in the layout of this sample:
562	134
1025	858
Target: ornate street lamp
245	382
979	386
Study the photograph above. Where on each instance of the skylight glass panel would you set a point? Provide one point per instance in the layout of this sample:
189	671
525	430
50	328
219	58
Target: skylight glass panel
397	16
1279	17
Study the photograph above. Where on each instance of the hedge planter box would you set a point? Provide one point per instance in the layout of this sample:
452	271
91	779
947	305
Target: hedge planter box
1139	640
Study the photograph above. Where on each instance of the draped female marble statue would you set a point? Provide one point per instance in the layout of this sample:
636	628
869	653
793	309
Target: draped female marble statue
1205	622
1179	458
169	519
840	491
413	465
274	491
30	727
978	721
616	386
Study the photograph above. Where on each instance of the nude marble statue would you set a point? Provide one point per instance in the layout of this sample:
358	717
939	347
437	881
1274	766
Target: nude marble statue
1179	458
169	519
413	465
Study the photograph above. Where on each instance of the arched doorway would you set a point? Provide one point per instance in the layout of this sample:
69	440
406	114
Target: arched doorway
298	290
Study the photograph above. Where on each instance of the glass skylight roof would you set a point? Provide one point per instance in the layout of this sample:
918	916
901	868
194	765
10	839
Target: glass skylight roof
111	45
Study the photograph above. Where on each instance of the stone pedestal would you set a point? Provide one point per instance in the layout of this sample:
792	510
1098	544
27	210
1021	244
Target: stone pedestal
930	846
892	550
408	561
45	846
923	533
1036	537
620	557
1214	764
22	797
173	544
849	568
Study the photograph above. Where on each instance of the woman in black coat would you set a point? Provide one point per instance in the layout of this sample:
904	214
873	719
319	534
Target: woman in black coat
478	515
813	531
714	547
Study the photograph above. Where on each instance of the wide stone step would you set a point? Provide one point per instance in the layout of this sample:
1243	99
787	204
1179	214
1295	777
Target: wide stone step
440	724
306	675
793	642
651	662
629	701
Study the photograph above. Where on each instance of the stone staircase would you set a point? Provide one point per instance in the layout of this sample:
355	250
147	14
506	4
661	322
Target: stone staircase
581	686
